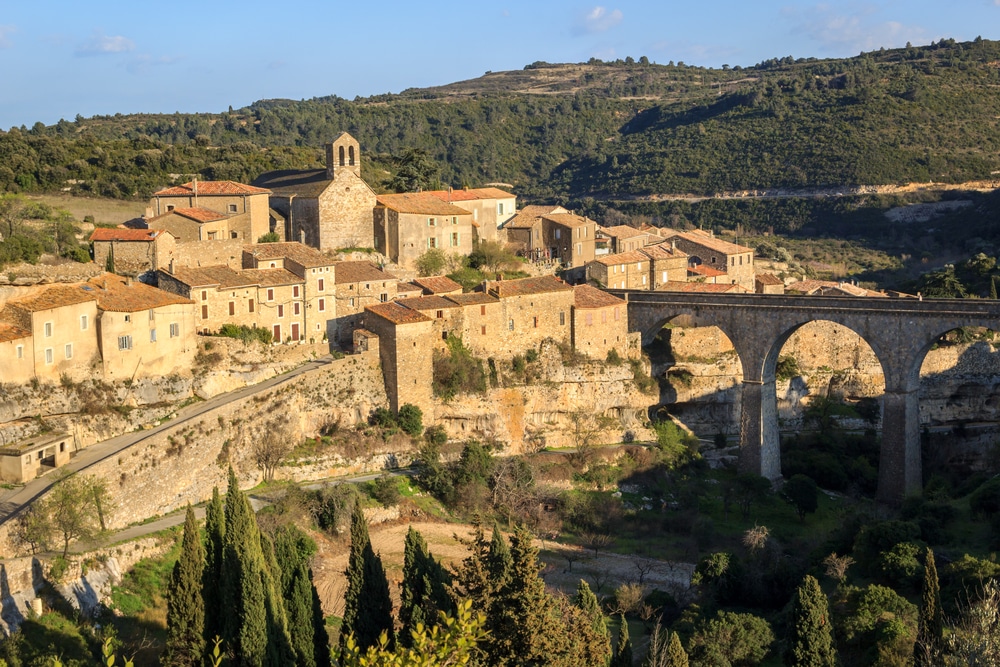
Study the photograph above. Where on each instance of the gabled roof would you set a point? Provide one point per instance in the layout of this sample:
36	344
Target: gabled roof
706	240
529	216
707	271
211	188
622	231
567	219
271	277
662	251
830	288
123	234
768	279
297	252
470	194
437	285
472	299
210	276
420	203
623	258
586	297
432	302
526	286
199	214
9	332
408	289
299	182
720	288
396	313
358	272
121	295
56	296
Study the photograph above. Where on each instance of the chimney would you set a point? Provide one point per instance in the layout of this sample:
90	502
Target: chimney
673	246
194	187
128	281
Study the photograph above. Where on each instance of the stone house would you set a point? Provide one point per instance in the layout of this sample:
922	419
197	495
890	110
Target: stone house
667	263
703	249
22	462
142	331
531	310
240	211
479	321
768	283
626	239
406	364
628	270
600	323
551	233
16	363
440	285
447	317
490	207
830	288
61	321
524	231
356	286
327	208
132	251
704	288
408	225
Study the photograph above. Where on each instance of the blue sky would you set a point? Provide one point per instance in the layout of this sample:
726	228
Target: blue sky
60	59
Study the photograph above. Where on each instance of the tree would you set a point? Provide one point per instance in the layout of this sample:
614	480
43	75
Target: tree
495	256
367	605
596	651
271	448
731	638
424	591
930	626
73	509
416	171
32	529
411	420
185	643
13	212
811	640
431	263
801	491
292	551
750	488
623	650
215	528
665	649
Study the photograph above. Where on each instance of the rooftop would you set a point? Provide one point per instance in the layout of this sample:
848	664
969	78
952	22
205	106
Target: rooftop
421	203
432	302
470	194
472	299
529	215
585	296
9	332
211	188
622	231
437	285
662	251
568	219
707	240
299	182
827	286
271	277
210	276
358	272
707	271
124	234
408	288
768	279
198	214
37	442
121	295
297	252
526	286
623	258
56	296
396	313
715	288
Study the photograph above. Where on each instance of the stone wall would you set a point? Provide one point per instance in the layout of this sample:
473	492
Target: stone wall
227	252
345	213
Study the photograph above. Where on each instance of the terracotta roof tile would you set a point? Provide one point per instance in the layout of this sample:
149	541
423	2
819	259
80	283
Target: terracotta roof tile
472	299
9	332
271	277
678	286
662	251
585	296
297	252
705	240
117	294
623	258
622	231
470	194
54	297
529	216
408	289
358	272
568	219
768	279
124	234
525	286
707	271
437	285
432	302
209	276
817	286
396	313
421	203
212	188
199	214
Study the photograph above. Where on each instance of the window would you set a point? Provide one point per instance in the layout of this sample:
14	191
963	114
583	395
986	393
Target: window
322	285
352	301
454	220
482	310
322	305
270	295
152	314
431	222
295	291
175	330
212	236
233	235
295	308
128	317
249	305
124	342
281	310
616	313
170	208
638	266
510	325
483	330
20	352
741	260
341	156
84	323
48	329
440	314
579	248
232	208
589	319
204	295
604	316
664	276
383	297
232	308
558	233
432	242
562	319
644	280
152	335
535	318
204	312
350	155
499	208
454	239
68	351
274	265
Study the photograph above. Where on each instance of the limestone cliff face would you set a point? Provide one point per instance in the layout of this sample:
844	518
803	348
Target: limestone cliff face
560	405
960	382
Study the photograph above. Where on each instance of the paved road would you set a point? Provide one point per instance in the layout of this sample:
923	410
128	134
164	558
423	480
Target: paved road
13	503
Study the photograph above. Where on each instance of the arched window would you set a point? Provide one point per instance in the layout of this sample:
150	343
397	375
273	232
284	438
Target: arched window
341	156
350	155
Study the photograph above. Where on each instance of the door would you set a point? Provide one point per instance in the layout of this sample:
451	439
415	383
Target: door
277	333
295	331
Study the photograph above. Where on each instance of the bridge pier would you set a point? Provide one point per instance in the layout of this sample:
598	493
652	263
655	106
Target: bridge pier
760	447
899	469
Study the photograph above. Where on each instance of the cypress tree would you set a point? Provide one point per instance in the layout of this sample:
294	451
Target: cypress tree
243	590
993	287
292	550
676	655
499	562
811	641
930	628
424	591
215	529
321	638
473	576
623	651
367	605
597	639
185	644
279	643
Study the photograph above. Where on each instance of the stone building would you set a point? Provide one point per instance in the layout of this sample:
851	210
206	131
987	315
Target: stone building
61	321
132	252
327	208
524	231
832	288
625	239
213	210
768	283
490	207
667	263
704	288
600	323
627	270
531	310
703	248
551	233
357	285
408	225
16	363
21	462
447	317
440	285
142	331
407	365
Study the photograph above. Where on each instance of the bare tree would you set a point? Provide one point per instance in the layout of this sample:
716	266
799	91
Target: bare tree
628	598
13	212
755	539
598	541
271	447
643	566
836	566
600	578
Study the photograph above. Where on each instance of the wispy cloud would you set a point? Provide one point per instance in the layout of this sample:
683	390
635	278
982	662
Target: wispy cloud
5	32
100	44
854	30
143	62
598	19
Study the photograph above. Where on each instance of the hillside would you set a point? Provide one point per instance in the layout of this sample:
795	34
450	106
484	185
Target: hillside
606	131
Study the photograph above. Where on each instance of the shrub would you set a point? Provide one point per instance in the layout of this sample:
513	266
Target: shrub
411	420
385	489
787	368
676	444
431	263
614	358
731	639
900	565
879	536
985	501
435	435
383	418
457	371
246	334
270	237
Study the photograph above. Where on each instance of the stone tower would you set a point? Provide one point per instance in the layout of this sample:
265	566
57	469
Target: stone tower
343	154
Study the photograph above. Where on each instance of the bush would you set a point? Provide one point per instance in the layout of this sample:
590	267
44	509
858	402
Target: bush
411	420
334	507
383	418
880	536
731	639
901	566
435	436
985	501
677	445
431	263
385	489
270	237
787	368
246	334
613	358
457	372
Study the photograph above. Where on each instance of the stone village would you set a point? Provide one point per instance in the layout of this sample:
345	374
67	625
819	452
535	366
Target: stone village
196	263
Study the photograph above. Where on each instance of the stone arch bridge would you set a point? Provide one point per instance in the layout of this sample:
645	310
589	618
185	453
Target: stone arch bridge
899	331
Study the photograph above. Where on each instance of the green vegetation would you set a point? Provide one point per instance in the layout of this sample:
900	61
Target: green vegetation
29	229
247	335
457	371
